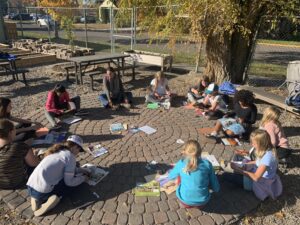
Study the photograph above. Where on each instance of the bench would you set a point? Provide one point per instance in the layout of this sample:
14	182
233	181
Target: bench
92	74
15	74
152	58
268	97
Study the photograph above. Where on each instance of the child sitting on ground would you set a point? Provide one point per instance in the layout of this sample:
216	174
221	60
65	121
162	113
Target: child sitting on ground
270	122
55	174
24	128
59	103
245	113
16	159
113	95
159	89
264	180
213	103
196	93
196	175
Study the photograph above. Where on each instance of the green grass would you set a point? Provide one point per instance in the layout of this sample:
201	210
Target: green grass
267	70
281	42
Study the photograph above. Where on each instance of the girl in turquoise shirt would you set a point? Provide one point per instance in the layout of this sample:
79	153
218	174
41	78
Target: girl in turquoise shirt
196	176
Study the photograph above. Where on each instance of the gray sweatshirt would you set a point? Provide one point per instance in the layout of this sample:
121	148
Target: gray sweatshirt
54	168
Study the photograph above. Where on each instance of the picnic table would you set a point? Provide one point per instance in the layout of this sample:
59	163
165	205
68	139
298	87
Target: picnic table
82	62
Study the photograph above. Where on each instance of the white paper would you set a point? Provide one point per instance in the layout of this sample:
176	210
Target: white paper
180	141
72	120
147	129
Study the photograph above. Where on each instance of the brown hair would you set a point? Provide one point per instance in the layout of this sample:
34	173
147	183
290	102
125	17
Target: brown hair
205	78
6	127
263	141
4	103
58	147
192	150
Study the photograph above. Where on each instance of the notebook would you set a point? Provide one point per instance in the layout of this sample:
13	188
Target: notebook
148	130
147	189
97	174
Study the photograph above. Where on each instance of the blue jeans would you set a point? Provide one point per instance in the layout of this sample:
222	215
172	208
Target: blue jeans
120	98
61	189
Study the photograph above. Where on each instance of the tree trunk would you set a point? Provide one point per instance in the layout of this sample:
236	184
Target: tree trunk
56	30
229	54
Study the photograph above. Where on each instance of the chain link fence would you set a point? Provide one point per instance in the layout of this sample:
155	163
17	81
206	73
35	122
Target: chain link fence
116	30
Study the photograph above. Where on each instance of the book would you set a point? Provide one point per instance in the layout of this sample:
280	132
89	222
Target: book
150	189
116	127
230	141
166	185
97	174
212	159
97	150
51	138
153	105
71	120
148	130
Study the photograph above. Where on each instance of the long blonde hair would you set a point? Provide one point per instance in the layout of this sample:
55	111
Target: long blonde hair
271	113
58	147
159	75
192	151
263	141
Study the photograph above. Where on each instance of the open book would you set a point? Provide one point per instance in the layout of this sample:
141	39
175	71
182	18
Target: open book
216	165
147	189
116	127
96	150
71	120
51	138
230	141
166	185
97	174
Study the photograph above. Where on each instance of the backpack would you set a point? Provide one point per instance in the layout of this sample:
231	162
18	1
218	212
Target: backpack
227	88
294	98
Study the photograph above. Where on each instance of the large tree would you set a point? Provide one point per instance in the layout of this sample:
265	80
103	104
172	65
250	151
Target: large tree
228	27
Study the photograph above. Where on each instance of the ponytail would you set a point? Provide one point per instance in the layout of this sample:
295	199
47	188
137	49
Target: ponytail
193	151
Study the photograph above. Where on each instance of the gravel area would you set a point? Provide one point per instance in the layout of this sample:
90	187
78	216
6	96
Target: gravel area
25	100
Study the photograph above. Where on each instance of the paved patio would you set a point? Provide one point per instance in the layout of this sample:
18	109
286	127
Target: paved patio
126	160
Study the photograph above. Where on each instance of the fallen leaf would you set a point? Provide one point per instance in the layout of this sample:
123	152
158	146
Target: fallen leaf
279	215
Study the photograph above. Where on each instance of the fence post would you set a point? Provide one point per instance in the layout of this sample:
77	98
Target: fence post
85	27
49	32
21	23
135	22
132	29
112	47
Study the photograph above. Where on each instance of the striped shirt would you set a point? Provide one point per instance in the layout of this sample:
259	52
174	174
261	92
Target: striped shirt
13	170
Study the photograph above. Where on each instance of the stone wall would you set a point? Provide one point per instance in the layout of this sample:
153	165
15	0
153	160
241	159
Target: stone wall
61	51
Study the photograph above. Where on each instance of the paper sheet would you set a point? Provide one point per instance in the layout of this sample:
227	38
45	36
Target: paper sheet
147	129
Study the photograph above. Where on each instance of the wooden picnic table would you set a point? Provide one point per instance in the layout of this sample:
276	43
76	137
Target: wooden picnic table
10	66
84	61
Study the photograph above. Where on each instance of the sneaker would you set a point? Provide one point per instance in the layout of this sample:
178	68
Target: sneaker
52	201
126	105
212	135
34	204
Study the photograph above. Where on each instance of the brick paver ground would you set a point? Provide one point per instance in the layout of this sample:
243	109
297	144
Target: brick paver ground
126	160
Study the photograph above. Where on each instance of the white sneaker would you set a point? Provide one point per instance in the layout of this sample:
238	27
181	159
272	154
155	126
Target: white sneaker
52	201
34	204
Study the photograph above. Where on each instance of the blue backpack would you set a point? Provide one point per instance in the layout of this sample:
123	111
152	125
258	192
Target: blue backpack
227	88
293	99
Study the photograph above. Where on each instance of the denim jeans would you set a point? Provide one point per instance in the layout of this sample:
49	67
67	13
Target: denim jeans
61	189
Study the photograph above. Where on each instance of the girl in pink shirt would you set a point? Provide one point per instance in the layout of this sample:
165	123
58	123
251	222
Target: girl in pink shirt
270	122
59	103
